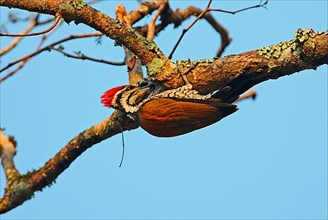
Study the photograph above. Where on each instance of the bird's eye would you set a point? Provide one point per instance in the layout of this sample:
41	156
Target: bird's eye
151	85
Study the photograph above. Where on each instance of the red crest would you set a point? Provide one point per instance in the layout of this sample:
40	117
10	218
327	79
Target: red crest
108	96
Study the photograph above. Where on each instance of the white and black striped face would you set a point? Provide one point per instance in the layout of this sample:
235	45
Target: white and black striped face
130	98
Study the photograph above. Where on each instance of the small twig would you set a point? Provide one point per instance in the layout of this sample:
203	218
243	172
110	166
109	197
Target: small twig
16	40
184	31
49	47
84	57
36	33
34	23
224	34
177	17
46	21
243	9
11	73
144	9
13	18
208	9
92	2
46	36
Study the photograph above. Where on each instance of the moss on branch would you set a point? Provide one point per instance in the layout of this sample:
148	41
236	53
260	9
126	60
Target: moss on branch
307	50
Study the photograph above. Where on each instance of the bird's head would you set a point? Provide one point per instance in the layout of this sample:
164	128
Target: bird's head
127	98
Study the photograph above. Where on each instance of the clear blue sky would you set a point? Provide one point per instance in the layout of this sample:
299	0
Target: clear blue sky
267	161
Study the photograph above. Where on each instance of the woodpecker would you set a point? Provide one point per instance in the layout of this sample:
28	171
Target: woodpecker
169	113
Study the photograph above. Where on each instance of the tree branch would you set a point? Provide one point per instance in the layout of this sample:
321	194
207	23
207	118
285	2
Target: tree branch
307	50
79	12
132	62
16	40
151	25
144	9
57	18
20	188
177	17
23	60
85	57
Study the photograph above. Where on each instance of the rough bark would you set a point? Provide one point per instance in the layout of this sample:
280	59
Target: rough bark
307	50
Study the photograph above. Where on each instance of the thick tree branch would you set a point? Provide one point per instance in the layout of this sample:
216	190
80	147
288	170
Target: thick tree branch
20	188
307	50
